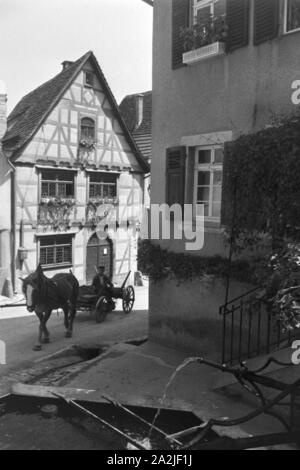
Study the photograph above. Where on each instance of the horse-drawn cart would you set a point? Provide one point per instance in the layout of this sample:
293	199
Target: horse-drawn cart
101	305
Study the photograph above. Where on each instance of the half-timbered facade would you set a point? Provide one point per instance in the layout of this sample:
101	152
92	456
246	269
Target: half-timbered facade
75	161
5	198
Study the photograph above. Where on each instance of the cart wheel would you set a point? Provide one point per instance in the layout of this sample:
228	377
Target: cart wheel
101	309
128	299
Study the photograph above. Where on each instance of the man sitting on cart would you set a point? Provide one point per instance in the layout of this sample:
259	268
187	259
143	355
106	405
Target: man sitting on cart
102	283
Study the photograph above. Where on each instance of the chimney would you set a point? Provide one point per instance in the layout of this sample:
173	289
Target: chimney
139	110
3	117
66	63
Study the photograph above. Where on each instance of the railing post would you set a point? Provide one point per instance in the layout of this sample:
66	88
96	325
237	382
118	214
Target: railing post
258	327
249	332
222	312
241	330
232	334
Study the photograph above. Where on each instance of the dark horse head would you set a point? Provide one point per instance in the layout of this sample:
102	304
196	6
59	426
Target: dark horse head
33	288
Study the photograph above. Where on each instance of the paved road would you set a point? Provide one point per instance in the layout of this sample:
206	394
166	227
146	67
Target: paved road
19	330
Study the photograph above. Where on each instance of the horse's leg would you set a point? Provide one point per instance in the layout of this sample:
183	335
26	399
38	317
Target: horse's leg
45	330
38	346
66	310
72	310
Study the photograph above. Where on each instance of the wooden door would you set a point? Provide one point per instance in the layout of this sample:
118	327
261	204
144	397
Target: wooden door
98	253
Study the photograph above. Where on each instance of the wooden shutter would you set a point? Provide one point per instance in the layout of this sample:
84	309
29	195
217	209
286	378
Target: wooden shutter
266	20
238	24
175	176
180	19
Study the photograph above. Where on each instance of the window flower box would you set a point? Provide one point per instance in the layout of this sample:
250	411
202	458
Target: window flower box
205	52
87	145
204	40
58	201
97	201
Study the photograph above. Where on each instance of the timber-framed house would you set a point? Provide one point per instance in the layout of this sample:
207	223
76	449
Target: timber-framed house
73	158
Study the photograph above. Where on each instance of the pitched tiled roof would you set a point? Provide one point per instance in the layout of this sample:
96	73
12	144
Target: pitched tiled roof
30	111
142	133
33	109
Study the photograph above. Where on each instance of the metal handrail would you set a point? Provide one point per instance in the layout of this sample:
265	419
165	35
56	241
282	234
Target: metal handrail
239	298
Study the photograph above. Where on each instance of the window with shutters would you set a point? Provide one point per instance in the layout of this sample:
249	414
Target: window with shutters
208	28
208	180
55	251
292	16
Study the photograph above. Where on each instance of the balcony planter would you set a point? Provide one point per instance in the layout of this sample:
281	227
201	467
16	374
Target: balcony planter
211	50
56	212
94	205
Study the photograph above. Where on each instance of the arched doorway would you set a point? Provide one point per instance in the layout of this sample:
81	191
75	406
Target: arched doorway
98	253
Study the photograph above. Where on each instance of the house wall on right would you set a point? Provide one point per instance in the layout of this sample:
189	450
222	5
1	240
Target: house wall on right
198	108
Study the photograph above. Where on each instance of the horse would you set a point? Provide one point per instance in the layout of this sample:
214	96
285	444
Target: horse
44	295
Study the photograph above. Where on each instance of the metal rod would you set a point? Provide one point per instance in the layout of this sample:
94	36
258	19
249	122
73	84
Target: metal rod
224	335
102	421
226	443
258	328
242	296
123	285
232	335
269	332
142	420
238	421
186	432
241	330
12	305
249	333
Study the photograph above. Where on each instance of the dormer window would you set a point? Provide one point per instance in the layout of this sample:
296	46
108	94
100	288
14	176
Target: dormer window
89	79
87	130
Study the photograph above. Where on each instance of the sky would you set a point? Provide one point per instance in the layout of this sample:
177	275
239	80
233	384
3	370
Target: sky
37	35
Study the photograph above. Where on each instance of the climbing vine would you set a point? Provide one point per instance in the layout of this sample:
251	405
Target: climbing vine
160	264
261	209
56	212
261	189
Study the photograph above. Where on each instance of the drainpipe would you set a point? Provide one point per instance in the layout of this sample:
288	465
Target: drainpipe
13	228
12	220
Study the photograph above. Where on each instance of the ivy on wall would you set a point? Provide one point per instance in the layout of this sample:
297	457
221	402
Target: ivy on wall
261	183
261	208
159	264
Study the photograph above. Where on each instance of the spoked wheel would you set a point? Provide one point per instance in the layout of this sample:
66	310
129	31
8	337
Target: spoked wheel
128	299
101	310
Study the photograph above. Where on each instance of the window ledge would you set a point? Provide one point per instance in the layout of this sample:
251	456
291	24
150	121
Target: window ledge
212	50
292	31
57	266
